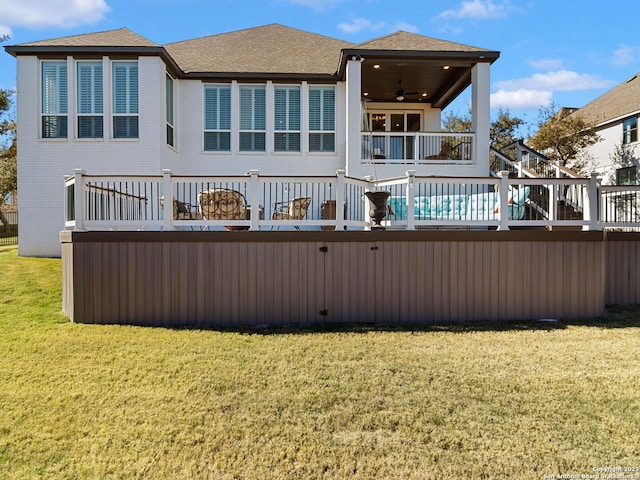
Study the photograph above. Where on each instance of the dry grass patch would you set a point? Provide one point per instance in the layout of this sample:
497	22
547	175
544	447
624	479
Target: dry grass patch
83	401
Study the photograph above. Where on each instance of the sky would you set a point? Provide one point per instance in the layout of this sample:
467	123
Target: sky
562	53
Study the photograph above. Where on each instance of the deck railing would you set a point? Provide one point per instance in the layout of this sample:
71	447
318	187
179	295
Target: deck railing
416	148
97	202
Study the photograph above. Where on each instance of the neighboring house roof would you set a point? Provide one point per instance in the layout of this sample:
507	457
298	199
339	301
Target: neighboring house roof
617	103
273	49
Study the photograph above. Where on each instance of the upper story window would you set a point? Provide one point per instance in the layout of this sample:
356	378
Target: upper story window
630	130
286	119
90	100
322	122
54	100
169	106
125	100
217	118
252	118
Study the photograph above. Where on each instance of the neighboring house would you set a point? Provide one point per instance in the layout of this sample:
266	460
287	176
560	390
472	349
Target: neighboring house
10	203
272	98
615	116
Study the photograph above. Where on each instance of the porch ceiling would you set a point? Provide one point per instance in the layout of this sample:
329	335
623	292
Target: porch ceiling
441	79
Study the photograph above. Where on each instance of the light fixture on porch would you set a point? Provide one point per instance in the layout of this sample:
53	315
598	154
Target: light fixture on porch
376	66
446	67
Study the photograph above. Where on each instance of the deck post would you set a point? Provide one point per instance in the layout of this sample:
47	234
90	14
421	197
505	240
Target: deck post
503	203
254	199
340	200
167	205
411	193
591	203
78	194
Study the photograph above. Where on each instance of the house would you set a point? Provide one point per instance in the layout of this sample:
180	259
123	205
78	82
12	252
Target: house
272	98
615	116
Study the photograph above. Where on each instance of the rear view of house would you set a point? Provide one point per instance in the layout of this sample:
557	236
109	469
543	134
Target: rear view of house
272	98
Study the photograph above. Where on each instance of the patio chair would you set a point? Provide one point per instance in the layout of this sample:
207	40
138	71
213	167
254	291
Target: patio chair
183	210
295	209
222	204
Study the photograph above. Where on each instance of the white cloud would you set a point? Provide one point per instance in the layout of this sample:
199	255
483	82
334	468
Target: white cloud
560	80
51	13
406	27
316	4
359	24
625	55
477	10
546	63
520	99
4	30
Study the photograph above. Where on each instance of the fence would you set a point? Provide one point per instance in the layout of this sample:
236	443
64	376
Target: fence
255	202
9	235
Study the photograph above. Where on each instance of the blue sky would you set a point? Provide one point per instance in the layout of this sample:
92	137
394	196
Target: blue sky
568	52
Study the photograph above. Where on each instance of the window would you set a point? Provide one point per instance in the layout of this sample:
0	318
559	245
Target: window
322	119
630	130
125	100
90	105
217	118
626	176
287	119
252	118
54	100
169	106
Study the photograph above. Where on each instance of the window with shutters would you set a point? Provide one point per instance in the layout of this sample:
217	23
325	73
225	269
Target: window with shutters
286	119
90	100
322	124
125	100
54	100
170	109
217	118
252	118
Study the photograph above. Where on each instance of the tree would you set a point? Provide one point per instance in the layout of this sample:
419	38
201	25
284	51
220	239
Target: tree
502	131
456	123
8	149
564	136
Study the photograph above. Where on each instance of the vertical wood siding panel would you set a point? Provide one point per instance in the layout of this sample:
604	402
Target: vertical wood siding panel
237	282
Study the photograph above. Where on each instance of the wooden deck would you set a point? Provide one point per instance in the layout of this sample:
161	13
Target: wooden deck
249	279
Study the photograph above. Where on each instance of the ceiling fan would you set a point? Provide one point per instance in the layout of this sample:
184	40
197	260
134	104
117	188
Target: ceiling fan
401	93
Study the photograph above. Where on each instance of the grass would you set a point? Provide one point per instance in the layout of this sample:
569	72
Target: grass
519	402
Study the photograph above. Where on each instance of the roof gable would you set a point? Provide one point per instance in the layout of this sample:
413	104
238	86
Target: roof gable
271	49
617	102
405	41
122	37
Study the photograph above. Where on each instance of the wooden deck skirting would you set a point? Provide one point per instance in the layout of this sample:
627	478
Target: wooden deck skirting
242	279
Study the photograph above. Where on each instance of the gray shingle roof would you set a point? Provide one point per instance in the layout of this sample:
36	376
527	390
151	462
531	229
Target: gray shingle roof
617	102
402	41
122	37
268	49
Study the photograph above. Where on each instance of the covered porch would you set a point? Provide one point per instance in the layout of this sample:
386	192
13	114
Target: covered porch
396	89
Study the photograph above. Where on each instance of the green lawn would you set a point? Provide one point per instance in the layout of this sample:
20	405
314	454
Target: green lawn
87	401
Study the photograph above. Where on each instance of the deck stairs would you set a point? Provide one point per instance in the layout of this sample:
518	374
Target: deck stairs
522	161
